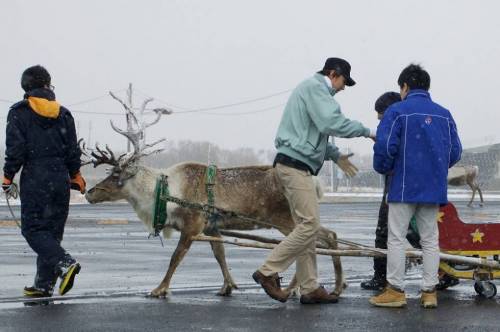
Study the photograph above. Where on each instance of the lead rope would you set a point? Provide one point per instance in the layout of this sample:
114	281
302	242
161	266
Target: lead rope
13	193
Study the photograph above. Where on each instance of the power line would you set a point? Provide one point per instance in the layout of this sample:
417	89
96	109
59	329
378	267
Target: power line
184	110
204	109
86	101
239	113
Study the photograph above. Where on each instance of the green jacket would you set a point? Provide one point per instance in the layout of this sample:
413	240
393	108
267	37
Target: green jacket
311	115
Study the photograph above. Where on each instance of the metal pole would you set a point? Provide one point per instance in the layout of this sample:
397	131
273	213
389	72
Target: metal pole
331	170
129	101
90	133
208	154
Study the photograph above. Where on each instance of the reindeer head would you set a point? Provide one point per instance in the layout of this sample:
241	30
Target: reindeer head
125	167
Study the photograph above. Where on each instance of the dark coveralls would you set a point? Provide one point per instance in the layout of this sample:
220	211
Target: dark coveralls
48	151
381	233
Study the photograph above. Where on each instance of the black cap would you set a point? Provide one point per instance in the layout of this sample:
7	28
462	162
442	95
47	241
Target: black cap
386	100
341	67
35	77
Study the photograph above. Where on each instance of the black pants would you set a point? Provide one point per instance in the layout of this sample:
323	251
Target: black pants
44	209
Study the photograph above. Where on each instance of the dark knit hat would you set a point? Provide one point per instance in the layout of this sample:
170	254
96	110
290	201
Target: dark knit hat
35	77
386	100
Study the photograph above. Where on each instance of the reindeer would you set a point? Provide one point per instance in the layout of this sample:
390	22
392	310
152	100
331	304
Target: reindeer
253	191
462	175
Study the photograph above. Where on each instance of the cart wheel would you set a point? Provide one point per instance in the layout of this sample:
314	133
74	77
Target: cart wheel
486	289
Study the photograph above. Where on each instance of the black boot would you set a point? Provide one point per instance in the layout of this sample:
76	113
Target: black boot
375	283
446	281
35	292
67	269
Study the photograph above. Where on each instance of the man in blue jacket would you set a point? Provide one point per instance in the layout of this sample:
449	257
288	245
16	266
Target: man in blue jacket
311	115
417	142
41	138
378	281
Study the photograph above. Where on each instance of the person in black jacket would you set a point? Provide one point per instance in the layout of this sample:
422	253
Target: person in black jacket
378	281
41	138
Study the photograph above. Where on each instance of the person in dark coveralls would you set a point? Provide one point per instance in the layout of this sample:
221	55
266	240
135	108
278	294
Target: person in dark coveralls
378	281
41	138
417	142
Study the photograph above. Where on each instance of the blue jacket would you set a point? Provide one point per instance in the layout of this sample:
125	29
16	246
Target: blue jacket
417	142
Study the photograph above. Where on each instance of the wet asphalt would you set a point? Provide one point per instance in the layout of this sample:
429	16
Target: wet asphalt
120	265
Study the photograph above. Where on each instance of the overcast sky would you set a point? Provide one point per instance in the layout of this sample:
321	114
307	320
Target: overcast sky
199	54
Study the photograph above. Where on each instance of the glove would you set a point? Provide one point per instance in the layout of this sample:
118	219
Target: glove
373	135
346	166
78	183
9	188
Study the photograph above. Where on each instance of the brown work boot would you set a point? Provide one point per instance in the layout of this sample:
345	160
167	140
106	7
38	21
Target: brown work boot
317	296
270	285
428	299
390	297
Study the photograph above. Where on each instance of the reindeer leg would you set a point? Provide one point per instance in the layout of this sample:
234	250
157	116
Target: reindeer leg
293	288
472	198
480	196
182	248
220	256
340	283
328	238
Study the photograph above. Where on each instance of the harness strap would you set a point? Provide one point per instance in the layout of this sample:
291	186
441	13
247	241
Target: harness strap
160	204
162	195
210	177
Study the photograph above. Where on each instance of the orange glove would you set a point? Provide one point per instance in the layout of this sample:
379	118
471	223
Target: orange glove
78	183
6	184
6	181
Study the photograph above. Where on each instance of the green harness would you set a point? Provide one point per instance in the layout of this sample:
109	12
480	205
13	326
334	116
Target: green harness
160	204
162	196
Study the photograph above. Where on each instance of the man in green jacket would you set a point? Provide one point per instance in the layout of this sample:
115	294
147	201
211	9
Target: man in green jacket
311	116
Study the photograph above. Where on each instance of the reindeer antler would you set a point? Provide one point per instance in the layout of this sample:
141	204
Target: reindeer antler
136	130
98	156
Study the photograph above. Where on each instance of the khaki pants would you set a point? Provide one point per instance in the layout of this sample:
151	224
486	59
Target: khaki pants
300	245
400	215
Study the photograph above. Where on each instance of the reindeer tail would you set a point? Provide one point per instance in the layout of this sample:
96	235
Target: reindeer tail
319	187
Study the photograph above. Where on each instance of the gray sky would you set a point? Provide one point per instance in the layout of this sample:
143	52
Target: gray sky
198	54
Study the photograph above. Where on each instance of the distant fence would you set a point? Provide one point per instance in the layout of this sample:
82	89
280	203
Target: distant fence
487	158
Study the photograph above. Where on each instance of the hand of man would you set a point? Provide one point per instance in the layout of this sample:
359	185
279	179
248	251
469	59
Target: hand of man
346	166
9	188
78	183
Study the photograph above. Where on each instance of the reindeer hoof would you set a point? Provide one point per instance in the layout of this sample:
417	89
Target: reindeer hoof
292	292
227	290
158	293
339	289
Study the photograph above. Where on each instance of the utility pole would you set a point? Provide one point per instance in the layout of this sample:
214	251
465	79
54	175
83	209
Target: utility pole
208	154
331	170
131	106
90	133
